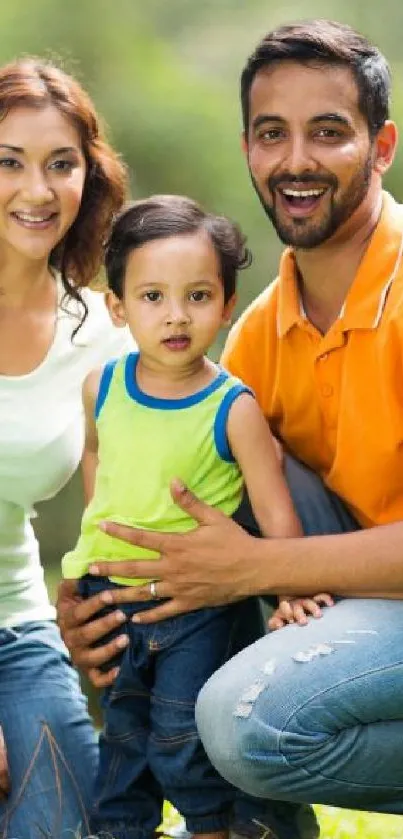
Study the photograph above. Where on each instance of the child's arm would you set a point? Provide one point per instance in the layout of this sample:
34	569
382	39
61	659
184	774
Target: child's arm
89	459
298	609
252	445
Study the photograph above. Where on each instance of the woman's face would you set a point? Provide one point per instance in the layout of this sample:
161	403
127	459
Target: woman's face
42	174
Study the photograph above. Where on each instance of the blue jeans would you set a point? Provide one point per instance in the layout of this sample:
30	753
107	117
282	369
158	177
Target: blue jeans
150	748
315	713
51	744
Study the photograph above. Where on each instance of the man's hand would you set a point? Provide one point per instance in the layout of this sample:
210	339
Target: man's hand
4	775
207	566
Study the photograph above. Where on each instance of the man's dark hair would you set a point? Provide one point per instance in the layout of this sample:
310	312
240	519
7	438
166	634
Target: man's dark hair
325	42
162	216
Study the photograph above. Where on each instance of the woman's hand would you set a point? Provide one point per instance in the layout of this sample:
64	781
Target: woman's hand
4	774
80	629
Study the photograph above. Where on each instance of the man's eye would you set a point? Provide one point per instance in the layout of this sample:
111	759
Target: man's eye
199	296
329	134
270	135
153	296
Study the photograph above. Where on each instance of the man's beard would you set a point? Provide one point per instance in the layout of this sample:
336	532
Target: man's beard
300	232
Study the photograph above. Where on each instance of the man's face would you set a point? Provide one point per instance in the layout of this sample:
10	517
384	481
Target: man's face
308	149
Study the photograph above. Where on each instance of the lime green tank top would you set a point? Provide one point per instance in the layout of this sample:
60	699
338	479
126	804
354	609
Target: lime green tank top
143	443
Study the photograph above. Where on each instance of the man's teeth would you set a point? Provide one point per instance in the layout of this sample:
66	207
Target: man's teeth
303	193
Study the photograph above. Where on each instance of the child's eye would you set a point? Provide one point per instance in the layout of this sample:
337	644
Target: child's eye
153	296
199	295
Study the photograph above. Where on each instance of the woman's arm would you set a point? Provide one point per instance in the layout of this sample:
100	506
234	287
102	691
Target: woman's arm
89	459
4	773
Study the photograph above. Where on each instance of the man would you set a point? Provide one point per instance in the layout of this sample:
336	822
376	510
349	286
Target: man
313	713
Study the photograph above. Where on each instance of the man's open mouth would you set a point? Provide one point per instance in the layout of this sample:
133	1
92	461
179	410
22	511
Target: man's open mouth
301	201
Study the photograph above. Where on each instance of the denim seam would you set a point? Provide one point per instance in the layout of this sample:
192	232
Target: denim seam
185	703
188	737
315	698
108	778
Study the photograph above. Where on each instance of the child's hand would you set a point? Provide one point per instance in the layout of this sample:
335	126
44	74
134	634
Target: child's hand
297	610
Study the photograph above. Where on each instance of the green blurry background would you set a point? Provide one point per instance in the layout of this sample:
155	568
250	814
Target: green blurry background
164	74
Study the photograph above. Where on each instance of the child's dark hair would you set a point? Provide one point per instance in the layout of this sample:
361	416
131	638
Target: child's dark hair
162	216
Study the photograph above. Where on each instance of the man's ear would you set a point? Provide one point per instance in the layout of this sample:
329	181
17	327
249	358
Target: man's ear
244	144
116	309
228	311
385	144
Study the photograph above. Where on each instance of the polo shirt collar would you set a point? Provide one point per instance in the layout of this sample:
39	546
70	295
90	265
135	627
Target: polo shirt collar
366	298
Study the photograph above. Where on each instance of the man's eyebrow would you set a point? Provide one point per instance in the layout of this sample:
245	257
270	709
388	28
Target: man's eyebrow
331	117
276	119
263	118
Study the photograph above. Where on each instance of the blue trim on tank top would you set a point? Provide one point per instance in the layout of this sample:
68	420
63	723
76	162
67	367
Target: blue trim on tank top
166	404
221	420
104	386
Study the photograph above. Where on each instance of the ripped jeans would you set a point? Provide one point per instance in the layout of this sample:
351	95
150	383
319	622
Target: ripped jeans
314	713
51	744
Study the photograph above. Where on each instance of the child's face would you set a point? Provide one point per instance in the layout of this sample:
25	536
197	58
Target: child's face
173	299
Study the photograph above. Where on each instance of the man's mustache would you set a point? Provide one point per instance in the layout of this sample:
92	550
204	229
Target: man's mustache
287	179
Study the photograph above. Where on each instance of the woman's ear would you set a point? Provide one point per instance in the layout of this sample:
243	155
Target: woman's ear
116	309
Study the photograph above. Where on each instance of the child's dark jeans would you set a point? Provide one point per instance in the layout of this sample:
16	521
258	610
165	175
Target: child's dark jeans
150	748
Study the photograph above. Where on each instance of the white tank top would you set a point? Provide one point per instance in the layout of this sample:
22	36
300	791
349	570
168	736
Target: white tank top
41	440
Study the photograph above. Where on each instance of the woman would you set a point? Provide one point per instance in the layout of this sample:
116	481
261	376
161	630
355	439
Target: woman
60	183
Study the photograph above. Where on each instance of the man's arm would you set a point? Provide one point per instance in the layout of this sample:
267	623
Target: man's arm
218	563
207	567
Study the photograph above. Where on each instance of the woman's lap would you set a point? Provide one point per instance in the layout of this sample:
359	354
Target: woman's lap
52	747
315	713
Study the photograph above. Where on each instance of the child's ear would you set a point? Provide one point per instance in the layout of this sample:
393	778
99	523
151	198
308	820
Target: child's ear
228	311
116	309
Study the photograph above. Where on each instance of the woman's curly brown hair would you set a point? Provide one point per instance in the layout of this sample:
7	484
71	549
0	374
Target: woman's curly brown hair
34	82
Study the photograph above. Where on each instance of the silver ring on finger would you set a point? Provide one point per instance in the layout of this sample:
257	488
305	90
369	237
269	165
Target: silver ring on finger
153	589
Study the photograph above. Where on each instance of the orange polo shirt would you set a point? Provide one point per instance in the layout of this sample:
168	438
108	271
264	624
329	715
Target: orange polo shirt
336	400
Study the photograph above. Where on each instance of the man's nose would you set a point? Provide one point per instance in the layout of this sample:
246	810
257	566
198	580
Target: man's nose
299	158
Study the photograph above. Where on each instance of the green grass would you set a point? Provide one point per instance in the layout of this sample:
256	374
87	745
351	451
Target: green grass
339	824
348	824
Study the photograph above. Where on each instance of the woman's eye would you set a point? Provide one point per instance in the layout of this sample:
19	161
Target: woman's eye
9	163
62	165
153	296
